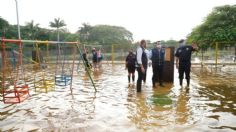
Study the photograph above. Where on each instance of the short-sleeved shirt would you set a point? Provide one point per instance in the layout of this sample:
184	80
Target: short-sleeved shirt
184	53
130	60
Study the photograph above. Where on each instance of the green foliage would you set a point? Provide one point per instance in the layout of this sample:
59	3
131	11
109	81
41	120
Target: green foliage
84	32
3	26
31	29
57	23
218	26
99	34
105	34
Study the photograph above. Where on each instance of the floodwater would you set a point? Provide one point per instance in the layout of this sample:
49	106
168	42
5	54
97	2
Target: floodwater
209	105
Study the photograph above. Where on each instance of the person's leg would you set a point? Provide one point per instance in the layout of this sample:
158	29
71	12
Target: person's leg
133	74
181	73
154	75
133	77
160	75
129	72
139	81
144	76
129	77
187	73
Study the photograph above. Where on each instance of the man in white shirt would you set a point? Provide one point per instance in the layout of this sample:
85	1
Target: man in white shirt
142	62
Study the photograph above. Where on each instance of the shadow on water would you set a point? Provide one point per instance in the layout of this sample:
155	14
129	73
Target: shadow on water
208	105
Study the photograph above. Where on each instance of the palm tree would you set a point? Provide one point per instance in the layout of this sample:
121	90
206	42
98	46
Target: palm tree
32	29
58	23
84	31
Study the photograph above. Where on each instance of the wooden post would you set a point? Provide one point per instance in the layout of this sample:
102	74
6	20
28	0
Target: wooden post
216	54
112	53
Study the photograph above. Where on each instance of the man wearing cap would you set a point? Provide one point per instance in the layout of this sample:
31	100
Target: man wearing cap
183	61
157	55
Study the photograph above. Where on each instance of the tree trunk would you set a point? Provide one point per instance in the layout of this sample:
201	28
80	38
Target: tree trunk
234	52
58	37
202	59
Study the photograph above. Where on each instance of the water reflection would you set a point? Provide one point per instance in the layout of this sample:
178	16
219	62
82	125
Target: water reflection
208	105
182	107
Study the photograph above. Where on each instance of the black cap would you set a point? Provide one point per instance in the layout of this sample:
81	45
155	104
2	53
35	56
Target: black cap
181	40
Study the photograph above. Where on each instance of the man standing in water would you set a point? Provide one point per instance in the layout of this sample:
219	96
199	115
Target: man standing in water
95	58
130	65
157	55
85	57
183	61
142	61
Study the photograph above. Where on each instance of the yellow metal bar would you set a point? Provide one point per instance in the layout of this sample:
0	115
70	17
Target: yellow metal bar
216	54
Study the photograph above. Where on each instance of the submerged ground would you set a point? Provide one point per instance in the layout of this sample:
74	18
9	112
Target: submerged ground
209	105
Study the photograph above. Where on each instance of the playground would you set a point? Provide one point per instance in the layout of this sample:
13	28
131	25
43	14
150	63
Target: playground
47	88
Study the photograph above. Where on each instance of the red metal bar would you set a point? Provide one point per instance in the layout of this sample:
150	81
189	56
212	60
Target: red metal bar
17	41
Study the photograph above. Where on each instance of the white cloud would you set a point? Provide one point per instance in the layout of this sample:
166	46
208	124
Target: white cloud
146	19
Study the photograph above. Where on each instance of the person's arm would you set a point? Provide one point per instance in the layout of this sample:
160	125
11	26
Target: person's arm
177	62
177	58
163	52
150	55
150	58
139	56
126	62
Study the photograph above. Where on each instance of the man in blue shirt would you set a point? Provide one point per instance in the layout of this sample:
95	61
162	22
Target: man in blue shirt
157	55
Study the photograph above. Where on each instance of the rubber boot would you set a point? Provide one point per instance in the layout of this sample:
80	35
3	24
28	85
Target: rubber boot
188	82
129	78
133	77
181	82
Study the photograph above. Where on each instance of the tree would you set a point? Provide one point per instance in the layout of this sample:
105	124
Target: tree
3	26
58	23
84	32
218	26
105	34
33	29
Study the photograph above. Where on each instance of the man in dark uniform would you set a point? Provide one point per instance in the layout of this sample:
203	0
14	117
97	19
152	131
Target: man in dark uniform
130	65
183	61
157	55
142	61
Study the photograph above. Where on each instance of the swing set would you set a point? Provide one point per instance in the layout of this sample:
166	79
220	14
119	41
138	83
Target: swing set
13	82
14	87
43	77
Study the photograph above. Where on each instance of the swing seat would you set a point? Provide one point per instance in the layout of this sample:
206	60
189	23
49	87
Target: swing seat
17	95
44	85
63	80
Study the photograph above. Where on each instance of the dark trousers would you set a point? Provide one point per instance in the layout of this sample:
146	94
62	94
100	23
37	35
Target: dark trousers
157	74
184	67
144	76
140	78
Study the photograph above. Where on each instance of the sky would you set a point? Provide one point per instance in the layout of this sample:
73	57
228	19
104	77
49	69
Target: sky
146	19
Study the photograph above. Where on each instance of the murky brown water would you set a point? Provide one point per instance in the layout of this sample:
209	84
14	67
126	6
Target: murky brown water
209	105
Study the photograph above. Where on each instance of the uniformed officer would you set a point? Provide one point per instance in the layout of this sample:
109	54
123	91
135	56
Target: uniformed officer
157	55
183	61
142	62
